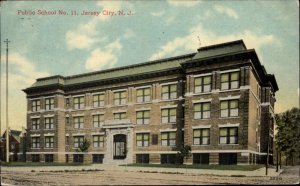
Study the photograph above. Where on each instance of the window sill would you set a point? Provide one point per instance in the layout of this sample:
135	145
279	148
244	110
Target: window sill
174	99
50	129
233	117
200	145
141	103
229	144
168	123
120	105
48	148
142	147
79	109
202	118
201	93
229	90
35	112
98	107
35	148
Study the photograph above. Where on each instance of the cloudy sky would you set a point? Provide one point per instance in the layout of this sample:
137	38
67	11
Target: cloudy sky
66	44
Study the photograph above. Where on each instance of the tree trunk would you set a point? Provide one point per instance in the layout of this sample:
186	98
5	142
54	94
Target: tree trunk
280	160
277	161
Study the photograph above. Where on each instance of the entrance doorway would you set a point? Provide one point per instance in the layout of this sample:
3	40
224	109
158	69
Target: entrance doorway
119	146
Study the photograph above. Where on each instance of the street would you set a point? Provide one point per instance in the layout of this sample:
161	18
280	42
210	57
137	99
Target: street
129	176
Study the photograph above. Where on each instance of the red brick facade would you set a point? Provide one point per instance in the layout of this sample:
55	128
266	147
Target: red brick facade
236	115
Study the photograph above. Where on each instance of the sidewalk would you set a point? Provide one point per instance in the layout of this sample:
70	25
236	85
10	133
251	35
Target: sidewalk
259	172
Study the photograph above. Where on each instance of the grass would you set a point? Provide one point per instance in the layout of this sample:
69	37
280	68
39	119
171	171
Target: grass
213	167
40	164
81	170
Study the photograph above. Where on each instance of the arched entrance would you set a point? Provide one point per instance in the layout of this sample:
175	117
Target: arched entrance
119	146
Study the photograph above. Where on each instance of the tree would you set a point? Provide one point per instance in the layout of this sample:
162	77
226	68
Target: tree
84	146
288	137
184	152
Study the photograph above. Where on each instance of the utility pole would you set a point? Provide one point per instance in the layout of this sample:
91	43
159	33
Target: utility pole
277	154
268	149
2	151
7	119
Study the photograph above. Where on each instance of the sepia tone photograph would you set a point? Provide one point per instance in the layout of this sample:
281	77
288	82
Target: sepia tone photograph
159	92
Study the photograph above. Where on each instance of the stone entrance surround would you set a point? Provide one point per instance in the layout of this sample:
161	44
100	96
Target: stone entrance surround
113	128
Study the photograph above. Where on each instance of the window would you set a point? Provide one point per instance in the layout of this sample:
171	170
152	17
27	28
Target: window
98	141
49	103
230	80
169	92
79	102
67	140
67	158
78	122
143	95
67	102
201	137
154	139
35	142
98	158
142	140
49	123
201	158
229	135
35	105
78	158
120	98
142	117
227	158
168	138
168	115
35	158
98	120
201	110
98	100
35	124
142	158
49	142
67	120
256	136
48	157
78	140
229	108
120	115
258	92
203	84
168	158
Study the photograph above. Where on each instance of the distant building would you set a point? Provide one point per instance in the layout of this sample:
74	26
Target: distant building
16	145
219	100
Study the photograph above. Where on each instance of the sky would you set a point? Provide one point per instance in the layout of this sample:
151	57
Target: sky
113	34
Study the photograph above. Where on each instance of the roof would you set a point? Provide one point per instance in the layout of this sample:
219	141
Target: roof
219	49
142	68
234	49
14	133
212	53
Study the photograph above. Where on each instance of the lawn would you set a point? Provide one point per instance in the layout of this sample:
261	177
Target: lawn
37	164
213	167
